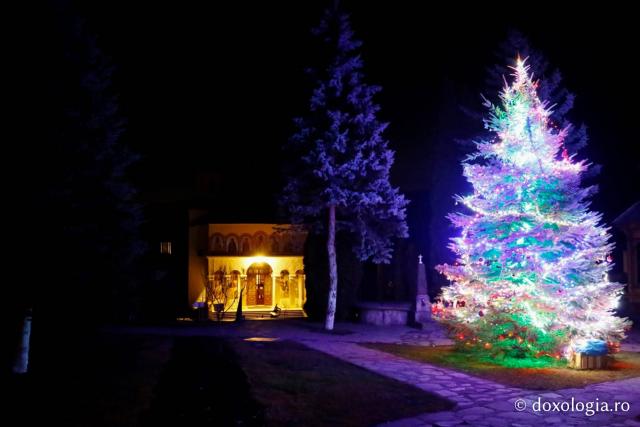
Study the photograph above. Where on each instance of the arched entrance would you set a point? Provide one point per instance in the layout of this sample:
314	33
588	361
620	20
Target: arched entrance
259	284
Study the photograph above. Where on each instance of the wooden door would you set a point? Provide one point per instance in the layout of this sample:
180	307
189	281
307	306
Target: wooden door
260	294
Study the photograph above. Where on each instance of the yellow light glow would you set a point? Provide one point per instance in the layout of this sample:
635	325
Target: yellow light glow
260	259
261	339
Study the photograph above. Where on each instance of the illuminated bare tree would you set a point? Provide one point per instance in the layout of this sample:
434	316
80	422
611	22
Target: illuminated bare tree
220	292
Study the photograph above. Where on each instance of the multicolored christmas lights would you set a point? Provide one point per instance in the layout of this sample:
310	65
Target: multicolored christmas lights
532	258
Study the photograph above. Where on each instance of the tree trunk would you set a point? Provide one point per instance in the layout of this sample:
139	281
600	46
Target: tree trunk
333	270
239	315
21	364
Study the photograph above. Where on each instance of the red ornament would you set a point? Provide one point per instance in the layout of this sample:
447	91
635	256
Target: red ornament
614	347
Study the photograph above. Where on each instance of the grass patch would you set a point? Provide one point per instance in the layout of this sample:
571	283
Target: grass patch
532	374
203	385
105	380
300	386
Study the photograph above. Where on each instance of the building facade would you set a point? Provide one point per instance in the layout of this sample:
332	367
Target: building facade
260	265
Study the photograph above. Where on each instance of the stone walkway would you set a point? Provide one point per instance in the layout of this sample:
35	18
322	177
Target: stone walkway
480	402
485	403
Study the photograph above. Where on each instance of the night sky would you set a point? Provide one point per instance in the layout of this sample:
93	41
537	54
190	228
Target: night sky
214	88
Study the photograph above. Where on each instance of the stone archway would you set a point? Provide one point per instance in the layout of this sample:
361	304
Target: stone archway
259	284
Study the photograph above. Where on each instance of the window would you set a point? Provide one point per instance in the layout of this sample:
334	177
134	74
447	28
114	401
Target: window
165	248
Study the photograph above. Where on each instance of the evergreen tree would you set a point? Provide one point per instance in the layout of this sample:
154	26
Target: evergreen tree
531	275
93	218
550	88
341	181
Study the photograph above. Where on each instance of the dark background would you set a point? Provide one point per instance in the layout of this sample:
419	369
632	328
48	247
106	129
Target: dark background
215	87
212	89
200	83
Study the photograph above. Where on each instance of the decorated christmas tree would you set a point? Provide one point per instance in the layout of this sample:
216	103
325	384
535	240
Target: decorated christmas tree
530	280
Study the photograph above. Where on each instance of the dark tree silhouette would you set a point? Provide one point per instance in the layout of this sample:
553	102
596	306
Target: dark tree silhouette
87	201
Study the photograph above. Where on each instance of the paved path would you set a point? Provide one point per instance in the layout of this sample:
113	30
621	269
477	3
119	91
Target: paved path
480	402
485	403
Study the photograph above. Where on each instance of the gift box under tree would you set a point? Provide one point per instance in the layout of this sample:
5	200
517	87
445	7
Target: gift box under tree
591	355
